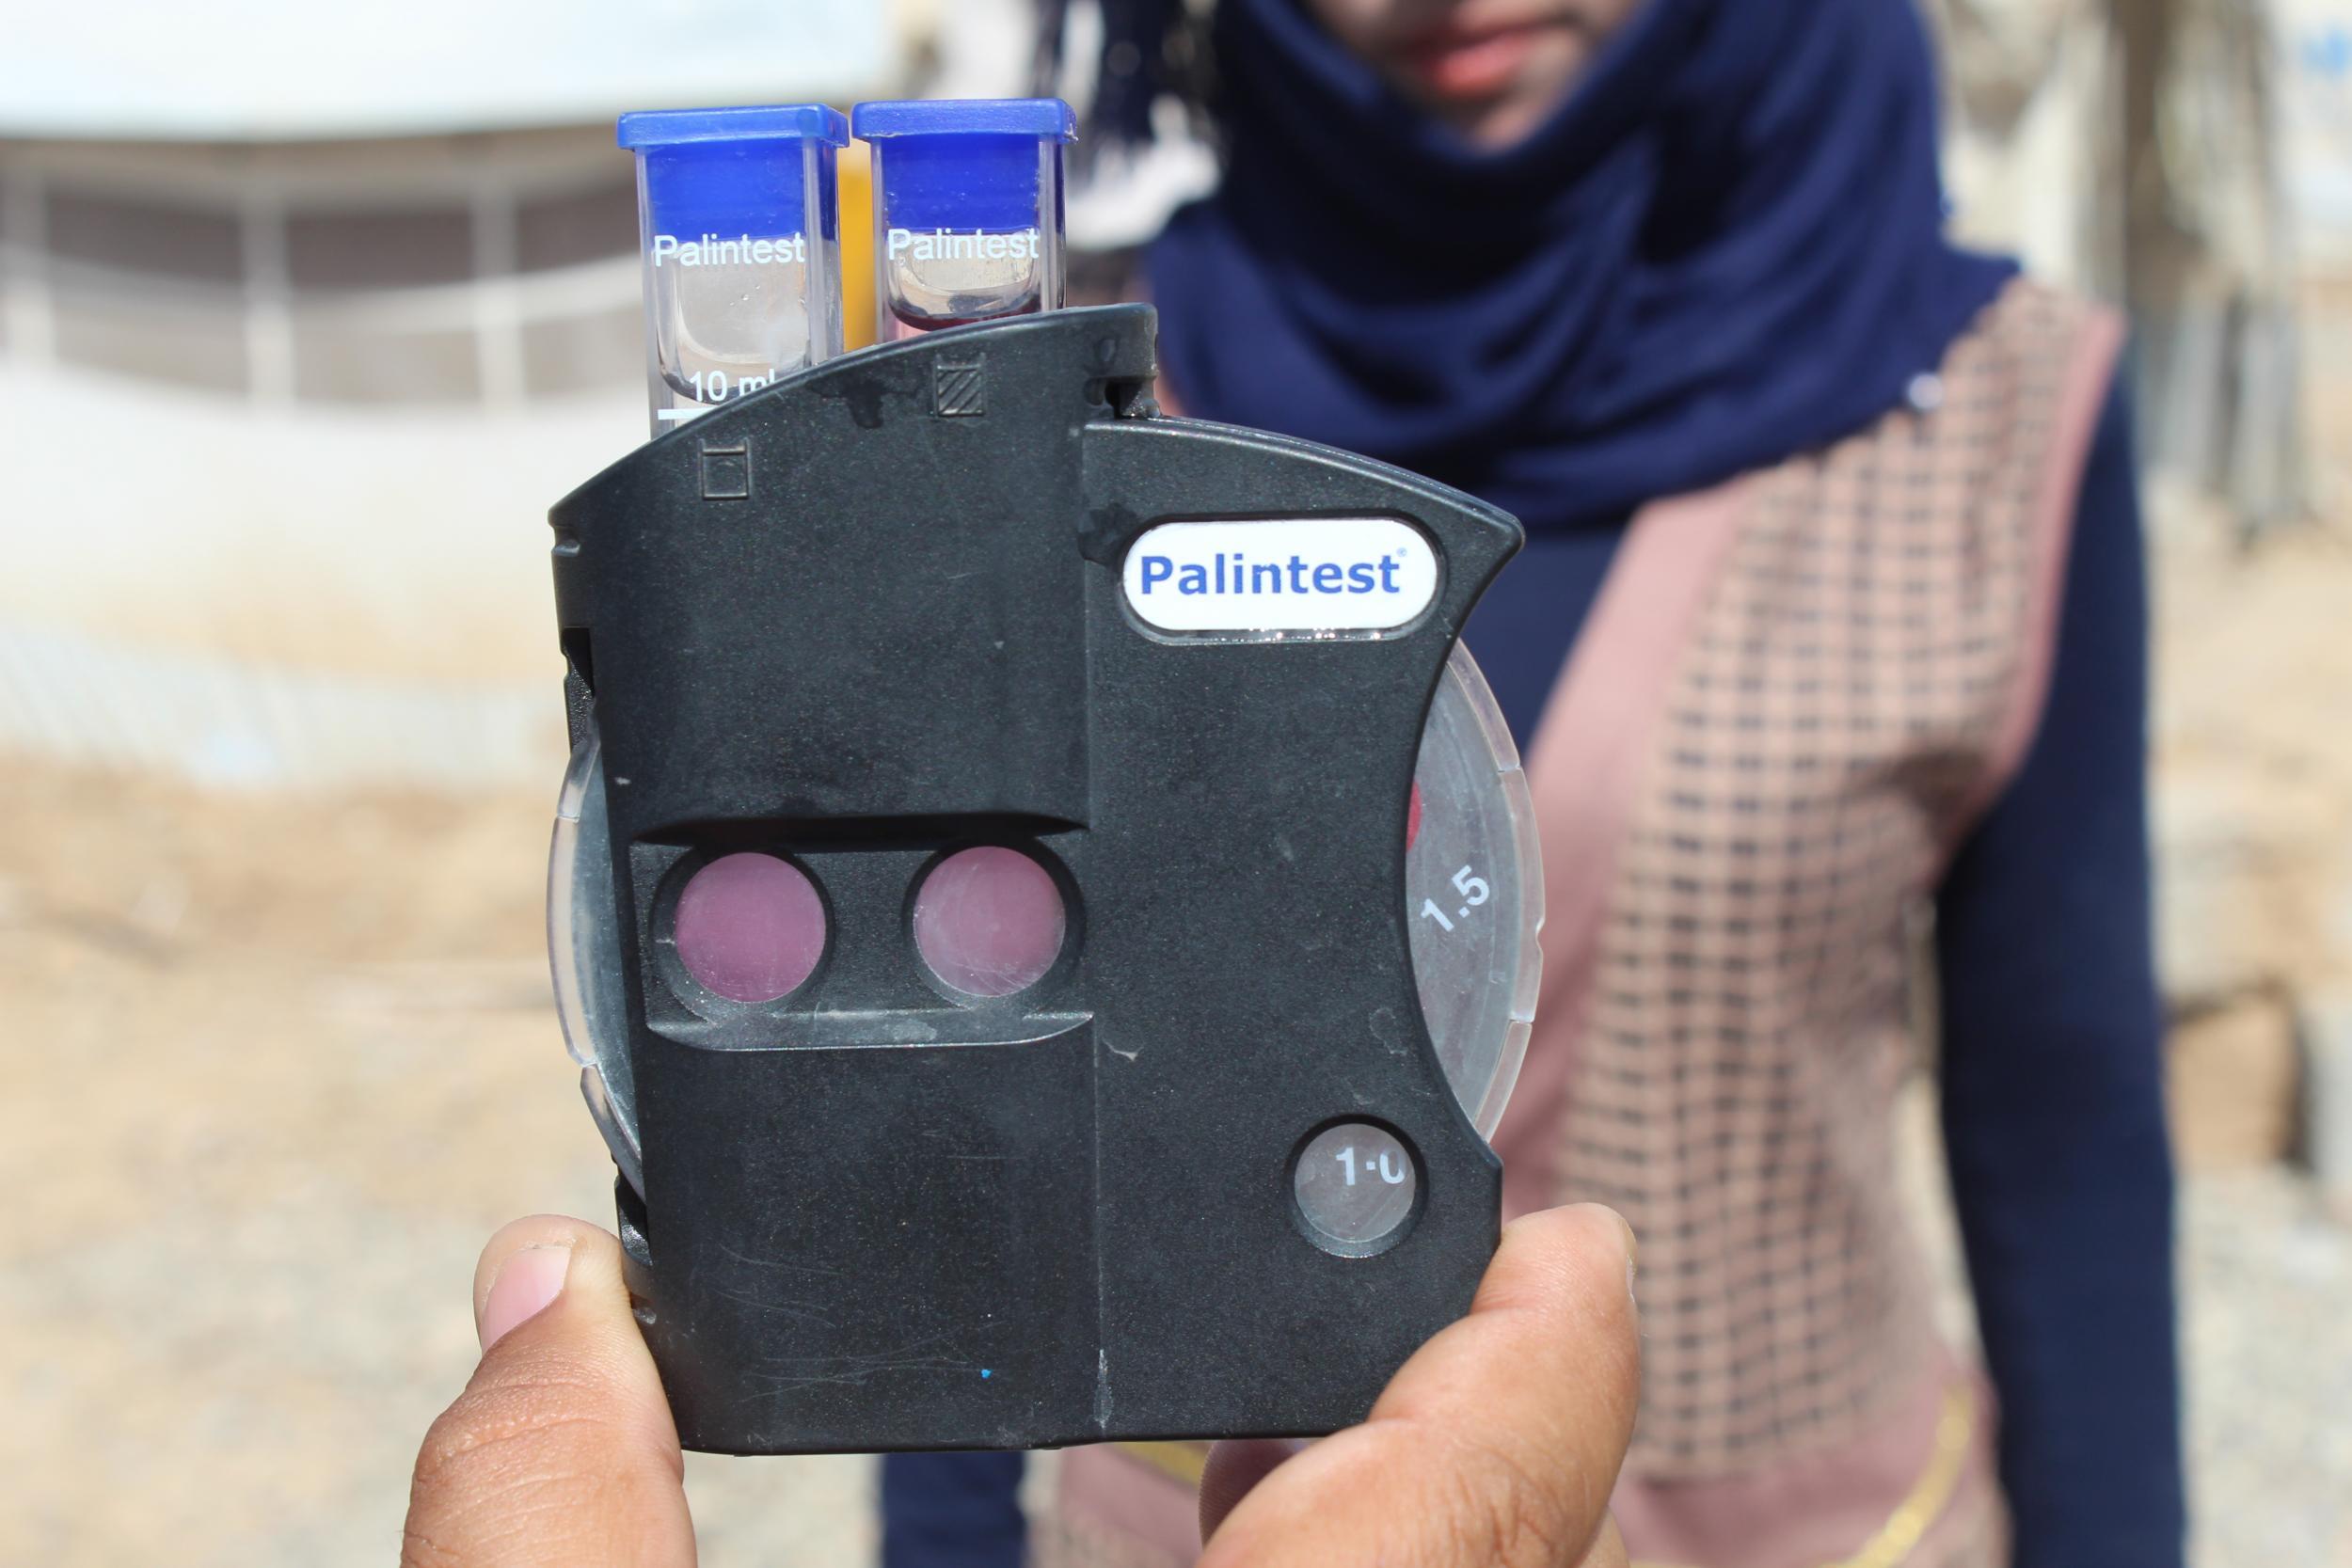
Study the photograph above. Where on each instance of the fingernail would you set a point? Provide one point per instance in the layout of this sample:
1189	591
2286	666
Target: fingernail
1632	1249
526	1284
1625	1227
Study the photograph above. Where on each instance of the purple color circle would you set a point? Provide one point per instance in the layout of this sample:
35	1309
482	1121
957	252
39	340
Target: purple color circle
989	921
750	927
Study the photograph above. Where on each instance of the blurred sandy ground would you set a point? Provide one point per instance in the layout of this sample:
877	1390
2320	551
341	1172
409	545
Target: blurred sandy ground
276	1065
274	1068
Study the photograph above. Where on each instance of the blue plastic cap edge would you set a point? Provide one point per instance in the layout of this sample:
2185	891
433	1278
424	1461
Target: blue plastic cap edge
647	129
1044	118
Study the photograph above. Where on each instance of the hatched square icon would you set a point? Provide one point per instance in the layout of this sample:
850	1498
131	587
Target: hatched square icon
960	387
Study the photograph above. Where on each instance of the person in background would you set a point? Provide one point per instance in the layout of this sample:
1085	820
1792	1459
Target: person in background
1830	632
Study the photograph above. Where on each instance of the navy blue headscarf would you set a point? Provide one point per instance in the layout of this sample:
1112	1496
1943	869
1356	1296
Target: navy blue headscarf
1726	248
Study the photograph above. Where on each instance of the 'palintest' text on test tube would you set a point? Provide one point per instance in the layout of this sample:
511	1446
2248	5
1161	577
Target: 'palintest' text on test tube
739	225
968	209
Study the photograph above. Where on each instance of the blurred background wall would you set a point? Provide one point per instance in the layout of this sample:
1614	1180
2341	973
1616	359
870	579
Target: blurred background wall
308	313
350	300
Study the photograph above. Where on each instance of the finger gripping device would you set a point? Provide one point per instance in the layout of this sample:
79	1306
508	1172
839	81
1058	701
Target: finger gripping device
1134	1124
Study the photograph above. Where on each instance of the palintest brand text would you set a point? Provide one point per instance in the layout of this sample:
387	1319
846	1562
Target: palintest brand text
940	245
1234	572
1280	575
716	250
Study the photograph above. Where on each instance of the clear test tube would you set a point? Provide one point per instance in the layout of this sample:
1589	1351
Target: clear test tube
968	209
741	233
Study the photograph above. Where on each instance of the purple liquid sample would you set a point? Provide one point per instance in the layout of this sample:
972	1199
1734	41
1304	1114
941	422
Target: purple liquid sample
989	922
750	927
906	322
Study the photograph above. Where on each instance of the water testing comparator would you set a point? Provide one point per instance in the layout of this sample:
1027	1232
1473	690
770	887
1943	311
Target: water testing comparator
1045	905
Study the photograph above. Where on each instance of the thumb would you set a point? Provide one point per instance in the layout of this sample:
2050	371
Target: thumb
1495	1446
561	1451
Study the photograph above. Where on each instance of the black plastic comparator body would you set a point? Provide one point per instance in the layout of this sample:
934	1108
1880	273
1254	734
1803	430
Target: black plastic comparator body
875	615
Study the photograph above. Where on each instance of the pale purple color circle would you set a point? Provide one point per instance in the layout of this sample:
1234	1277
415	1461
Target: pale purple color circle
989	921
750	927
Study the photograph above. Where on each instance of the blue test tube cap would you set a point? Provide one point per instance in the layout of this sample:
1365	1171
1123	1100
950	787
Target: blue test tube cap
733	171
962	164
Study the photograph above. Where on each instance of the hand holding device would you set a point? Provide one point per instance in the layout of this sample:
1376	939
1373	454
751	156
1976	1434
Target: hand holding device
1494	1446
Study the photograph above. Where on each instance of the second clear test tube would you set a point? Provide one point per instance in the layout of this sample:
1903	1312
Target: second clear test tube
968	209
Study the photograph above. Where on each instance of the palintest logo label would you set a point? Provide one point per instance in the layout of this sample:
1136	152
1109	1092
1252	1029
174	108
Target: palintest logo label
1282	575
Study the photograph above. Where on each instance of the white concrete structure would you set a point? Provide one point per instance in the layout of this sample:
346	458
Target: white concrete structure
269	70
307	315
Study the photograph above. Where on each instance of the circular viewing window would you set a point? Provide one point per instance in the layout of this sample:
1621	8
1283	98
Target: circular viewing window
989	922
750	927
